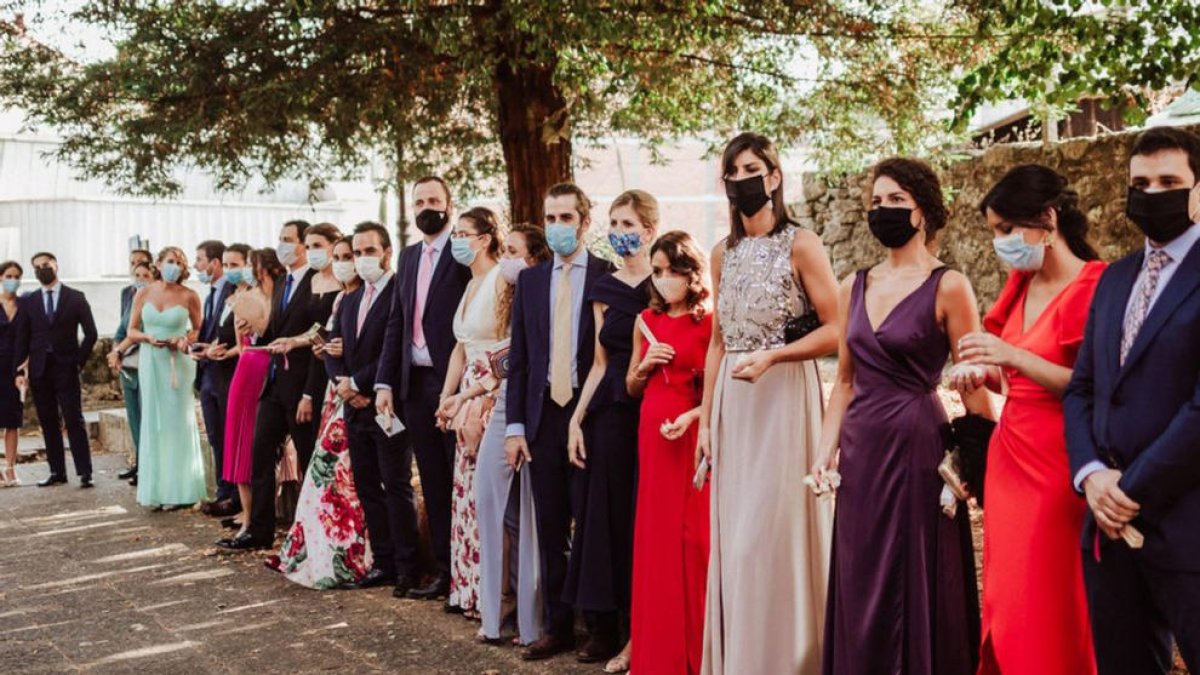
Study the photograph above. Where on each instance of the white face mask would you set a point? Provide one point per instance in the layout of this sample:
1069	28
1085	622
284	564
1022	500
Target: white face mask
343	271
286	252
318	259
672	289
369	268
511	268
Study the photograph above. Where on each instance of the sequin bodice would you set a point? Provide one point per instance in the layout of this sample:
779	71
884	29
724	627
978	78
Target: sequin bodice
759	293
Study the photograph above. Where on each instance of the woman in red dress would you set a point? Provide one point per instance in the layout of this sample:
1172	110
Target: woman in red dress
1035	617
670	537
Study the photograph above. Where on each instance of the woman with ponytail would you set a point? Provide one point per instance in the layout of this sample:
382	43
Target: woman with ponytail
1035	617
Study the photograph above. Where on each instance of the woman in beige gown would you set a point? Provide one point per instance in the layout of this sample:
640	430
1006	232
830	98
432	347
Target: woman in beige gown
770	539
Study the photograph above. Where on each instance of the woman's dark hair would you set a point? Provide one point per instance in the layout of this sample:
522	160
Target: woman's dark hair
327	231
9	264
240	249
267	262
154	273
535	241
685	257
918	179
485	222
764	149
1025	193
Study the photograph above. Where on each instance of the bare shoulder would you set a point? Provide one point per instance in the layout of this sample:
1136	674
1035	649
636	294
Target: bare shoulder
718	252
807	242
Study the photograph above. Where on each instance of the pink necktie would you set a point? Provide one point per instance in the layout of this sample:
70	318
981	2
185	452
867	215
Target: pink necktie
1141	303
365	307
424	277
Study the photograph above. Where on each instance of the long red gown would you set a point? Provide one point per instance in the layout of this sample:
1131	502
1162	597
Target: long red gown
670	536
1035	615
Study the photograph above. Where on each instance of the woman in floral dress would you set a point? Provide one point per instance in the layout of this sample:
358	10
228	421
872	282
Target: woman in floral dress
326	546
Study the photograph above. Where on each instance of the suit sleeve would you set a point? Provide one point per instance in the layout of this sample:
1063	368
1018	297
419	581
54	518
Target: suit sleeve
89	330
123	323
518	364
21	346
387	374
336	367
1170	467
1078	402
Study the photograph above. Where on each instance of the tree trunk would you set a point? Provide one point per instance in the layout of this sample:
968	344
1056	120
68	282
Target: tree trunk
402	200
534	133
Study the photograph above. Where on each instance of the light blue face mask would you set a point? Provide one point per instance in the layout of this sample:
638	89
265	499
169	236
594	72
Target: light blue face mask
462	251
11	286
235	275
562	239
171	272
139	285
625	244
204	276
1014	251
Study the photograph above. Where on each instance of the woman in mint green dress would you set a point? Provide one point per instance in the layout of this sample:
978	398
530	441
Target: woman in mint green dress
164	319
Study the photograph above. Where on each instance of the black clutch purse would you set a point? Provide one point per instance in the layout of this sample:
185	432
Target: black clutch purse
800	326
969	436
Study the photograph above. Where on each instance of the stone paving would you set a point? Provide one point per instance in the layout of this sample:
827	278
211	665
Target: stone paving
92	582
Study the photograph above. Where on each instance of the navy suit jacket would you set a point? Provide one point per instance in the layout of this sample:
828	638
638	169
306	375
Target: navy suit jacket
37	334
291	373
209	329
1143	418
446	289
360	351
529	354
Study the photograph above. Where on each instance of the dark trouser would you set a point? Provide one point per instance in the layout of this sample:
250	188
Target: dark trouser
382	468
212	405
1135	610
434	450
133	409
58	389
276	420
551	475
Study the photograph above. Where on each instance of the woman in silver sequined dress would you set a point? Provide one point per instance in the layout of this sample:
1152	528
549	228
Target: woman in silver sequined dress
762	395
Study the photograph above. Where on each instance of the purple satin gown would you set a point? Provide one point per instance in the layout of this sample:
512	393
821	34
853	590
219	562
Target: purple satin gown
902	595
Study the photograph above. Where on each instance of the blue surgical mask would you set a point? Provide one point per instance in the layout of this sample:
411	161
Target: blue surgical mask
318	259
171	272
1014	251
462	251
139	285
562	239
235	275
287	253
204	276
11	286
625	244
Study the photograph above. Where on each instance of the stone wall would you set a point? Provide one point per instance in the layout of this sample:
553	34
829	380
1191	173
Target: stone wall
1097	168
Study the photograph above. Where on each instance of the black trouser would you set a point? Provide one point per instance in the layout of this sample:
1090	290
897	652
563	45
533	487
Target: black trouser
434	450
58	388
1135	610
276	420
213	398
382	468
550	472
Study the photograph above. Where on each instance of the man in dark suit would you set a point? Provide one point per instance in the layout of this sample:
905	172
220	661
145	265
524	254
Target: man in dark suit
214	390
49	336
550	356
129	384
279	415
1133	422
382	464
416	354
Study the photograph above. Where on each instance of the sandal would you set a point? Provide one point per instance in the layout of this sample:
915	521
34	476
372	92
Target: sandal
617	664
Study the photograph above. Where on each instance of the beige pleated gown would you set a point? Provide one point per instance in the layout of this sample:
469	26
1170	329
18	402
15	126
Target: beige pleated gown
769	560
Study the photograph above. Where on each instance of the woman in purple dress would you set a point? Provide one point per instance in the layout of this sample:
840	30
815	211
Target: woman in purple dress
902	595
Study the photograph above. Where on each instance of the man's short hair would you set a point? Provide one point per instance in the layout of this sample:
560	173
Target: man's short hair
440	181
43	254
582	204
300	225
1157	139
371	226
212	248
142	252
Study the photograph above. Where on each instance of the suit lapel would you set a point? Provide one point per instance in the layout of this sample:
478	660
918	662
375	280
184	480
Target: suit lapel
411	267
444	261
383	300
1182	284
1111	324
594	271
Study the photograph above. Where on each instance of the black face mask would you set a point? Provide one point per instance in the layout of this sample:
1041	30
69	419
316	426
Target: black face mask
431	222
46	275
749	195
1161	216
892	227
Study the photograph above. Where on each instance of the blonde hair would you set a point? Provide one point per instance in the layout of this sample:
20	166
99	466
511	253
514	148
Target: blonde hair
643	204
183	264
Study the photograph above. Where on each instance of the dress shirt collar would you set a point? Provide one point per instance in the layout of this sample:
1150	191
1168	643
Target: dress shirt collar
382	282
297	276
55	288
1179	247
438	244
580	260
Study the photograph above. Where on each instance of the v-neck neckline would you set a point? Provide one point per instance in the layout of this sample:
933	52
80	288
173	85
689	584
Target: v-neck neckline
892	312
1022	330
